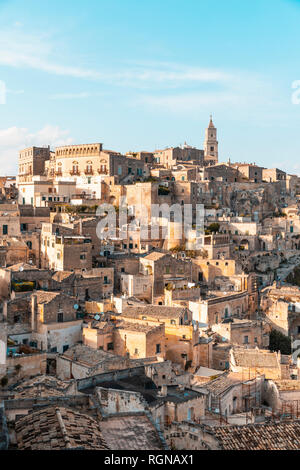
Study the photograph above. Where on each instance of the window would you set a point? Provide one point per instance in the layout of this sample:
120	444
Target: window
136	351
158	349
110	346
167	269
122	270
4	229
65	347
82	256
60	317
105	280
226	312
144	318
246	340
173	322
53	350
255	339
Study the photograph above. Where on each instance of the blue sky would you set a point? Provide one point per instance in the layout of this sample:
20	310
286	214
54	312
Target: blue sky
140	75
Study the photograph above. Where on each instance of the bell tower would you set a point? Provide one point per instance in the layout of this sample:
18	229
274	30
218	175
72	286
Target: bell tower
211	143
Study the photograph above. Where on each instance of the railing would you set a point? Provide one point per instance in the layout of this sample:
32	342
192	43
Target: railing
88	172
74	172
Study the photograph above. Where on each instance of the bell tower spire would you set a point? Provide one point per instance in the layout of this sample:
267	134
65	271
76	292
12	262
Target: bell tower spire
211	143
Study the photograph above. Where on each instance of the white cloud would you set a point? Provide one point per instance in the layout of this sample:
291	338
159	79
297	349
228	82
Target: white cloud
21	49
13	139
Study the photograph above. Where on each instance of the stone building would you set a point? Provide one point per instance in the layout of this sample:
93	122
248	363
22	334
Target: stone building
282	307
256	362
94	284
218	306
232	393
247	333
32	162
22	277
283	396
54	323
81	361
88	164
63	251
136	338
164	268
180	334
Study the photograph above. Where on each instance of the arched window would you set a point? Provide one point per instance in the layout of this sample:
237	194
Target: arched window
89	168
75	168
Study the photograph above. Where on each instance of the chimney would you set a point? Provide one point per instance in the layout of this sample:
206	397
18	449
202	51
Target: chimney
33	312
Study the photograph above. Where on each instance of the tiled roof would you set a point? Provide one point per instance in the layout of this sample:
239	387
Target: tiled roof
255	358
60	276
136	327
58	429
133	432
158	311
42	385
286	385
155	256
273	436
23	266
85	354
45	297
221	384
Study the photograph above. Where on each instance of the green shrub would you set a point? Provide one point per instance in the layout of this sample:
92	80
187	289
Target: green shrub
280	342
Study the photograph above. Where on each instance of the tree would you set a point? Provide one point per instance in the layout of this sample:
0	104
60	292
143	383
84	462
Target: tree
18	368
294	277
280	342
4	381
213	228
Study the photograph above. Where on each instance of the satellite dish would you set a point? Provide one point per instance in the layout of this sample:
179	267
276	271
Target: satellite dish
97	317
21	269
76	306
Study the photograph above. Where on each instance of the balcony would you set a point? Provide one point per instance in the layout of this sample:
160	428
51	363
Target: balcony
102	172
87	171
74	172
58	173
